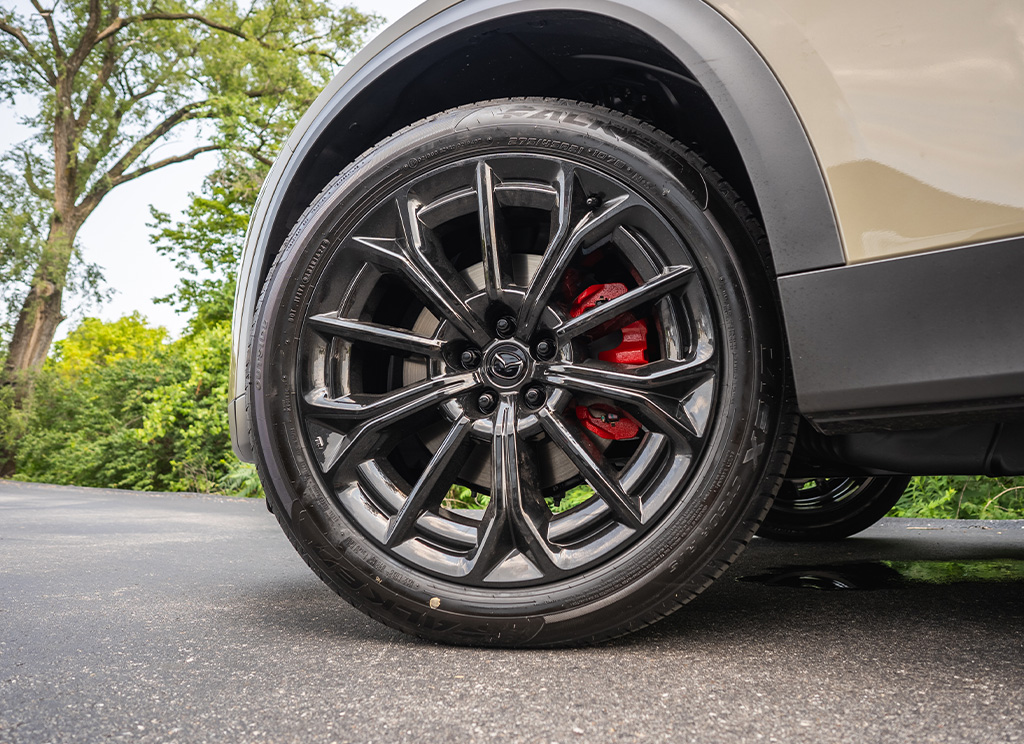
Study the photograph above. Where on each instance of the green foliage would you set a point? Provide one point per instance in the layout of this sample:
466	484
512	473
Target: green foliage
118	406
108	85
573	497
125	74
22	231
956	572
206	245
929	497
193	413
460	497
96	343
962	497
85	413
12	421
243	480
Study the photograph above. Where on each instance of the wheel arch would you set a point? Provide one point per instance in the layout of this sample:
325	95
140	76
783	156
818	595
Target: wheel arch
681	66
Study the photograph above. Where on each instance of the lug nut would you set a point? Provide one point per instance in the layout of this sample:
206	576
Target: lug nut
545	350
470	359
487	402
534	397
505	326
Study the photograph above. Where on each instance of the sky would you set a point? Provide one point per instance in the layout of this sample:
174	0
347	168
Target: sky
115	235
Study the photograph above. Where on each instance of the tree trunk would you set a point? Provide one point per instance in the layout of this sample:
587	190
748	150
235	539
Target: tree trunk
40	313
37	324
36	327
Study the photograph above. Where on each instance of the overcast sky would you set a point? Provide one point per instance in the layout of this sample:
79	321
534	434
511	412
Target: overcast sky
115	235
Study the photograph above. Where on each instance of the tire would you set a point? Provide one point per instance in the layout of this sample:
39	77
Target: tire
821	509
420	339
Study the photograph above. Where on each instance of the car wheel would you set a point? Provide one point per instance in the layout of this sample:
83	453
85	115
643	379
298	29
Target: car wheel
830	508
517	377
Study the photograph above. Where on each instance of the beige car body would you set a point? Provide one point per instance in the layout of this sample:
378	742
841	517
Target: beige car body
917	154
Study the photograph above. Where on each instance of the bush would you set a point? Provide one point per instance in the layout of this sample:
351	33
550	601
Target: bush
962	497
119	406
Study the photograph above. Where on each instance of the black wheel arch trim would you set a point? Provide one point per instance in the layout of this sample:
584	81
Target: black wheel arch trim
784	174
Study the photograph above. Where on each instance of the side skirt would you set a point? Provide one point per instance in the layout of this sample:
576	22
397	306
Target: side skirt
912	342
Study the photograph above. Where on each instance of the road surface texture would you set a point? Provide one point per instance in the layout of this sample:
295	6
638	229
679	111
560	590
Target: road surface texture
177	617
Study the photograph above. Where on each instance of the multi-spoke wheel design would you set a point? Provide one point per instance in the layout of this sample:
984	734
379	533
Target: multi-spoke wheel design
563	337
449	347
830	508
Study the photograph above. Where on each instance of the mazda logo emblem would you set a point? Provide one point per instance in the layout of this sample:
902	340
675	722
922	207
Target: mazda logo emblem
508	364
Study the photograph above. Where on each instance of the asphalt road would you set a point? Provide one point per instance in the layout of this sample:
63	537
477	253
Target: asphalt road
168	617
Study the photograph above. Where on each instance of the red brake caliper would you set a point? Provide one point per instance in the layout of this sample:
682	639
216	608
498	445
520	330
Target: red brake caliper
603	420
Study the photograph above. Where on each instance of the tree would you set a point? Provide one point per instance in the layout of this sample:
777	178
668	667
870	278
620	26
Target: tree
116	405
113	82
23	227
206	245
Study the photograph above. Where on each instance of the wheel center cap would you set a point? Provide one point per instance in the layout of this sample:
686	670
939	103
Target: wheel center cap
507	364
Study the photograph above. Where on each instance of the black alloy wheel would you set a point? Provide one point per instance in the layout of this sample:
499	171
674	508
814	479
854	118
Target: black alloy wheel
813	509
542	309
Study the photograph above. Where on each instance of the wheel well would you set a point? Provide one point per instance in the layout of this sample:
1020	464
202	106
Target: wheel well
558	54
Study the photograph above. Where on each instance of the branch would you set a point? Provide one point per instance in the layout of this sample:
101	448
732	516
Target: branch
113	123
133	98
49	75
150	167
262	158
96	153
32	186
264	92
105	184
102	146
313	53
96	88
120	23
185	113
51	29
89	39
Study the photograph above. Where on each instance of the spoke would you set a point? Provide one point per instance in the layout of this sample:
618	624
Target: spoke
516	516
374	333
441	277
654	289
661	373
432	275
493	236
575	225
432	484
646	406
410	399
494	540
592	466
380	412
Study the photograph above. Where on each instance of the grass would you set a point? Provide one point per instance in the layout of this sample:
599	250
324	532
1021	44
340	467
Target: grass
460	497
